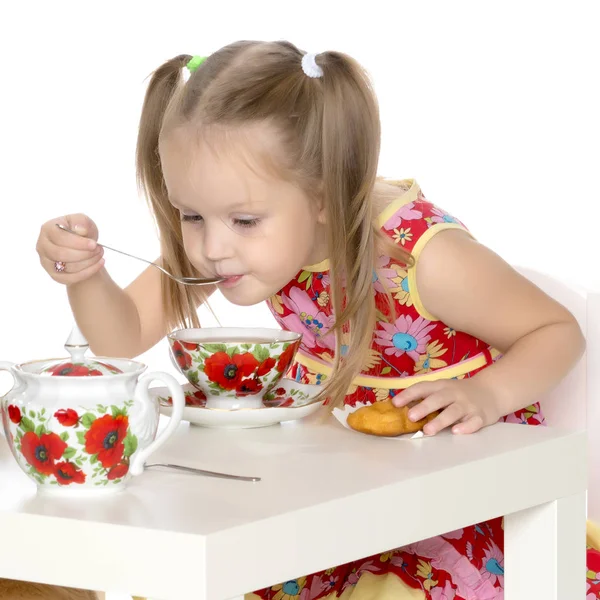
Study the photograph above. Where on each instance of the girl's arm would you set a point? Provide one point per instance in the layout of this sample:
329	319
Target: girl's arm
121	322
471	289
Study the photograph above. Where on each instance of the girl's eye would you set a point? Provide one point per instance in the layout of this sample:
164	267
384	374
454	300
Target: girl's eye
246	222
191	218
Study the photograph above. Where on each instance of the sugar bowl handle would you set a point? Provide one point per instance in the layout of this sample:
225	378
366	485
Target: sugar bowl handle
18	382
148	404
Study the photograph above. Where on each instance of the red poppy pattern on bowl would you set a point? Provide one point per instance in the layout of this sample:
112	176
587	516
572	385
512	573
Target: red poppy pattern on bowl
90	447
233	369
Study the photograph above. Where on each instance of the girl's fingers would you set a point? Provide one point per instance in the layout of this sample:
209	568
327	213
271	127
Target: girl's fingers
468	425
77	267
73	272
428	405
446	418
68	254
82	225
418	391
59	237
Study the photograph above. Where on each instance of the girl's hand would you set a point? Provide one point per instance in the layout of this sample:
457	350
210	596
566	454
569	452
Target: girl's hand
82	257
464	405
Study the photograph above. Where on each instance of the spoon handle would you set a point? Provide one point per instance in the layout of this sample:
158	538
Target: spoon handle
182	280
148	262
203	472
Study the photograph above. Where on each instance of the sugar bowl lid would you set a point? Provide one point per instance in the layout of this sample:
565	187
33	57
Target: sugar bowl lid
78	365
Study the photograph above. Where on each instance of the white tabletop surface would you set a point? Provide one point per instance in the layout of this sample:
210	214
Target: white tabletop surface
327	496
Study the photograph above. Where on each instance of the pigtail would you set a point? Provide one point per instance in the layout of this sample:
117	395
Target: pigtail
351	144
179	303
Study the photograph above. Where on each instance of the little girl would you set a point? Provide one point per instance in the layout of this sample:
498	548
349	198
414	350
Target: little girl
261	169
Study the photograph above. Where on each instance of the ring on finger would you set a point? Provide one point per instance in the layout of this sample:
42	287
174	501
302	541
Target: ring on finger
60	266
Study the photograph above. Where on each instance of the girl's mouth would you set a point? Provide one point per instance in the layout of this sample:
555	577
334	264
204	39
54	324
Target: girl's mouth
230	280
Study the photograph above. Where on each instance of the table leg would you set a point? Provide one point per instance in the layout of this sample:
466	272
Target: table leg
544	551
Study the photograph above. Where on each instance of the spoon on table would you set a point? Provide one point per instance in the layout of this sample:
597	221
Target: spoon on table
202	472
183	280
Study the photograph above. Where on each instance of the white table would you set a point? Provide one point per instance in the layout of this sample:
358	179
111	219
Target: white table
327	496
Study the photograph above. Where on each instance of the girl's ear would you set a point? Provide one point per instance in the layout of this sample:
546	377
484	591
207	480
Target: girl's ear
321	215
320	204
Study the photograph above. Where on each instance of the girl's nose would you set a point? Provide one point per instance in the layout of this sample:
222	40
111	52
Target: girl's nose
216	244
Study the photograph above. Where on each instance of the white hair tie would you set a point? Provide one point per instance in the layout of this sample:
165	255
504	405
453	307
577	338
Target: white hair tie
310	66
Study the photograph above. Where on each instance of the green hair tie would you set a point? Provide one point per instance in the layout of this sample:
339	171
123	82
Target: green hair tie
195	62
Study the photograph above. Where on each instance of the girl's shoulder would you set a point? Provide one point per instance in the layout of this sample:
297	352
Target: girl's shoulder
411	221
408	217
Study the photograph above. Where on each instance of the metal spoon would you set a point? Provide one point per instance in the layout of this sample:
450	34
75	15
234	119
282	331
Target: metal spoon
202	472
183	280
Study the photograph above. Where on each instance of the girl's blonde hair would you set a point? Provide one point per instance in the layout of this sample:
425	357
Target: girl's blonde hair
329	132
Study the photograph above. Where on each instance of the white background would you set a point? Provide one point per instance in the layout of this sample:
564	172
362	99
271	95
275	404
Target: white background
491	106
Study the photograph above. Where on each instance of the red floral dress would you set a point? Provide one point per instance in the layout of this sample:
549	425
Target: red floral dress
408	346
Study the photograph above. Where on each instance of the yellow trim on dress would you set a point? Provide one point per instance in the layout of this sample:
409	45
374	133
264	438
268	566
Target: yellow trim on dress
593	535
410	195
319	267
412	272
397	383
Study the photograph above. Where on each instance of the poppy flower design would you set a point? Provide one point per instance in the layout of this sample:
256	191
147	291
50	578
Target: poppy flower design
228	371
14	414
118	471
67	473
105	439
73	370
265	366
67	417
184	360
42	452
198	398
249	386
285	360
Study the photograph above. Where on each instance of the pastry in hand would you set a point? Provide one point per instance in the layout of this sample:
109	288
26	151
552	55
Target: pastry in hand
385	419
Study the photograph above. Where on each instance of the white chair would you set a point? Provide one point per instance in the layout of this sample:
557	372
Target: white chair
575	402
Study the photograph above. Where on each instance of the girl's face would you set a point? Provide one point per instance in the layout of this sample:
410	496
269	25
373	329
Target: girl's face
254	229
